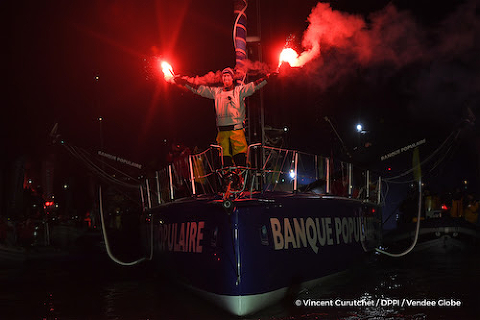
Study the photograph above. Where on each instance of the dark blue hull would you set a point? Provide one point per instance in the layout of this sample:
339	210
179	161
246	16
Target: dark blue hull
248	256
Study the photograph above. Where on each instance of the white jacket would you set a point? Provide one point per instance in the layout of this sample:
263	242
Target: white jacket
229	105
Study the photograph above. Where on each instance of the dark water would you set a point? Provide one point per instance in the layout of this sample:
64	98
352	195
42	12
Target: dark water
92	287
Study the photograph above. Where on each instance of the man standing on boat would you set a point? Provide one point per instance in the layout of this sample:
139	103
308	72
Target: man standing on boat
230	112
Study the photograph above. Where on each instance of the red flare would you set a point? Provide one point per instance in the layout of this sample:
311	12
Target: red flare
167	71
290	56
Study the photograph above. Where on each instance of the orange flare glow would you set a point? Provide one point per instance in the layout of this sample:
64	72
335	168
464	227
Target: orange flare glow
289	55
167	71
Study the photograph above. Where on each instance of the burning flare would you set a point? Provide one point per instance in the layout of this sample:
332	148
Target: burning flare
289	55
167	71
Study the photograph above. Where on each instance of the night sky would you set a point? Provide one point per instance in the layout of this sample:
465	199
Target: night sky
420	74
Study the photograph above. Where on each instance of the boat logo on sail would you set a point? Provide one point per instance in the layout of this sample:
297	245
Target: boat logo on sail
315	233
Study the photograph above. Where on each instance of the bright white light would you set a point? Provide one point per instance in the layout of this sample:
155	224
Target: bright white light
167	71
289	55
292	174
359	127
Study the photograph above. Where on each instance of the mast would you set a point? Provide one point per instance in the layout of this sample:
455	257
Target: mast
240	33
255	116
255	112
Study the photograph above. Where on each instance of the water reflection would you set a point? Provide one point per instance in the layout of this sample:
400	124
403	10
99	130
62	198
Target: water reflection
49	307
102	290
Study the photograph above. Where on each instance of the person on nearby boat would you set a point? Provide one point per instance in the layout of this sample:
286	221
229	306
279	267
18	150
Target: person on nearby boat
230	112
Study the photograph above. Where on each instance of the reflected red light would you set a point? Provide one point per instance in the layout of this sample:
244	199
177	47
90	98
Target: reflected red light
444	207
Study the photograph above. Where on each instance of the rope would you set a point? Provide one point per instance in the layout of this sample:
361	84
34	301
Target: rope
107	244
396	255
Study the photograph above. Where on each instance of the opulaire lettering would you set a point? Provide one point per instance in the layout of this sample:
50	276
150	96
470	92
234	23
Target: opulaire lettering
181	237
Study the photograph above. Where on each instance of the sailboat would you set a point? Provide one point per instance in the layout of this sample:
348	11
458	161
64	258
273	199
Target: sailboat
244	237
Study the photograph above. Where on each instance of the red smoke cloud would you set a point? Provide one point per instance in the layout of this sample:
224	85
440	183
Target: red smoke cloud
328	28
336	44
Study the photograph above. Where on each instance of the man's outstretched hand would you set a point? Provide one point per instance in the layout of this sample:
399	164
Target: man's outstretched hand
180	80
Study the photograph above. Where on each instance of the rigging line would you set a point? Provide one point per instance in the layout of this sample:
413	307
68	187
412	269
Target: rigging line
393	212
384	197
284	160
85	160
275	163
445	155
110	166
283	163
265	165
434	166
93	167
426	160
87	156
83	155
